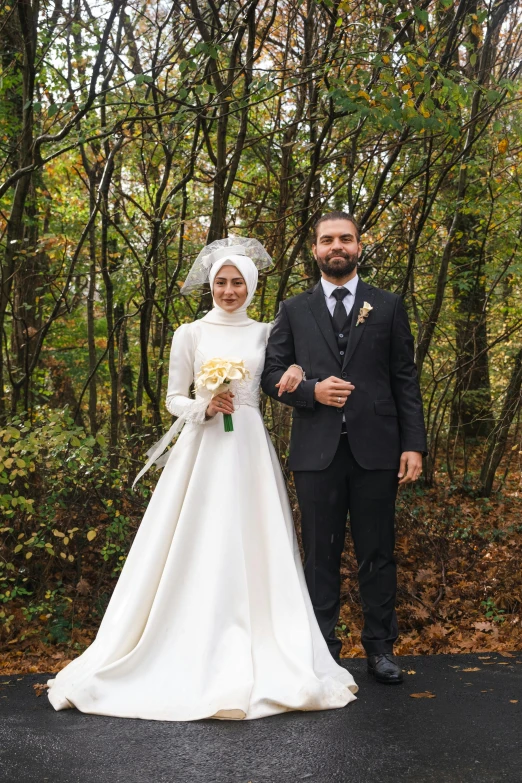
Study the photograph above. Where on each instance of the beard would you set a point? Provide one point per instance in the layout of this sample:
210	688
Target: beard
338	264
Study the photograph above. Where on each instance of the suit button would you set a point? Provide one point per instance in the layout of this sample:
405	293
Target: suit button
342	353
341	335
343	375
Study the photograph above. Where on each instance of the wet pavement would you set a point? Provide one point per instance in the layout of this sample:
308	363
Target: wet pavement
469	730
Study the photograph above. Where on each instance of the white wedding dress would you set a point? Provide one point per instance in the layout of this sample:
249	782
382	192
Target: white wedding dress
210	617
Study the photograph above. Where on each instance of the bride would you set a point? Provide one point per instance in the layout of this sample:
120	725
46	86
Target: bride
210	617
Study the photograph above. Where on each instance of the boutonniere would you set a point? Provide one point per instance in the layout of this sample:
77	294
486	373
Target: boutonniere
364	312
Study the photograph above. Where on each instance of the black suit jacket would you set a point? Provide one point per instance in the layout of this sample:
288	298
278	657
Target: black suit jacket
384	415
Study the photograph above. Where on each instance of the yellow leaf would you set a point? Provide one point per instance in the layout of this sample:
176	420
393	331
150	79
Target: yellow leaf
91	535
513	701
58	533
70	558
425	695
503	146
17	548
66	540
385	58
412	671
28	555
62	554
472	669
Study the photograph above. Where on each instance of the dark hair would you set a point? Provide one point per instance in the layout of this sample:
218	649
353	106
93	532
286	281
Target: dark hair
337	215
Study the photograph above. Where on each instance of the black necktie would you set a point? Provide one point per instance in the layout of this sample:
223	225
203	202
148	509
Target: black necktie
339	313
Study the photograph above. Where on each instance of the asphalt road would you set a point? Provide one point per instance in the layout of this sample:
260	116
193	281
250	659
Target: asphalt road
470	731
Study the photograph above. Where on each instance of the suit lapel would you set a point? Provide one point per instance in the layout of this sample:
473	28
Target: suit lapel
320	312
363	293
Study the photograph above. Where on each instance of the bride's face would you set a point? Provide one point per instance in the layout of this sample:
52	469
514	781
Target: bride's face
230	290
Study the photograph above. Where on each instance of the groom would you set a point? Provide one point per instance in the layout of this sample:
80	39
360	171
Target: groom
358	431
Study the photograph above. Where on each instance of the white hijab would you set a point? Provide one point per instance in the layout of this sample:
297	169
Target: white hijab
249	272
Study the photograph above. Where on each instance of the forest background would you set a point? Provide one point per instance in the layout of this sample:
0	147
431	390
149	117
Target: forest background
131	134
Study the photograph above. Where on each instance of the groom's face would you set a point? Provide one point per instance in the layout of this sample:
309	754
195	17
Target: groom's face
337	248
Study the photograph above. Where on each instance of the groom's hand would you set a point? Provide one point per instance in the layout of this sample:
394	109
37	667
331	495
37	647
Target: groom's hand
333	391
410	467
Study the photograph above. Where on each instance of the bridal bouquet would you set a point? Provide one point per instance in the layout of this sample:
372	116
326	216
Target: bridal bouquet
216	375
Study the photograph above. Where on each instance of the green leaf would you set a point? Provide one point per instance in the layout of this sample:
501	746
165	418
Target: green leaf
493	96
52	110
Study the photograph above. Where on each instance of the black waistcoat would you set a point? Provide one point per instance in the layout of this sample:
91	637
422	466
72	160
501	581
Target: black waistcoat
342	337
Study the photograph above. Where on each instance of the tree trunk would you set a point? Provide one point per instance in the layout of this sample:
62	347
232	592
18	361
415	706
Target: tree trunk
499	436
472	408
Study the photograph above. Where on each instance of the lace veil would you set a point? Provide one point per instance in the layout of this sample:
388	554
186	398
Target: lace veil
224	248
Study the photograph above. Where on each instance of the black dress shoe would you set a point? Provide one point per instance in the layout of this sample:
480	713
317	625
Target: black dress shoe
384	668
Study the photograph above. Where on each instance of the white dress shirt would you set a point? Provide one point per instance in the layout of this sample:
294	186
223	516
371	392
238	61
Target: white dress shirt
348	301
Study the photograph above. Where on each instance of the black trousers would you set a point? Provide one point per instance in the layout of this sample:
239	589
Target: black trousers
326	497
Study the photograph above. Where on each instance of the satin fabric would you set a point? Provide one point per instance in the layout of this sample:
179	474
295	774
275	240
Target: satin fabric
210	617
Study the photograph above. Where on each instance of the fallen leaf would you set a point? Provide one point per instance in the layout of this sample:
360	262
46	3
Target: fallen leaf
39	688
483	626
412	671
502	663
513	701
507	655
425	695
485	658
472	669
83	587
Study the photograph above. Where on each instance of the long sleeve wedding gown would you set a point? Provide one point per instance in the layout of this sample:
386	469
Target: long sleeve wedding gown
210	617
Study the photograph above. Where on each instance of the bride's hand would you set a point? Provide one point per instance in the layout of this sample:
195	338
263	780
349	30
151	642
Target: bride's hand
290	380
221	403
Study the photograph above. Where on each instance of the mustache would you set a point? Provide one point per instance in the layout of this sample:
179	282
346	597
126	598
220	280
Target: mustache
339	254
